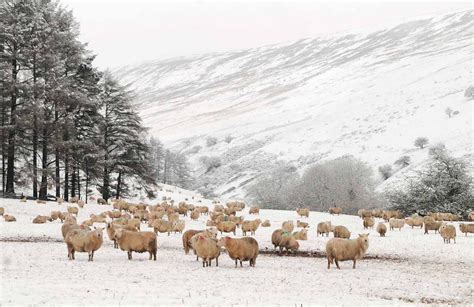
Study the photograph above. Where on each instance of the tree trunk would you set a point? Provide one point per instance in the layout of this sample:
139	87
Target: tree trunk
35	156
57	178
119	180
78	183
66	177
3	138
10	187
43	192
105	184
73	182
87	181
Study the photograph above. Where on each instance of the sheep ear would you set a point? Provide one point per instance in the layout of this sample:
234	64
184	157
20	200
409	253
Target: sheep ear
368	234
360	235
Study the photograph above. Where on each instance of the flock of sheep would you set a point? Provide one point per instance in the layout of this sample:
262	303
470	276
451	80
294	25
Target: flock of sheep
123	226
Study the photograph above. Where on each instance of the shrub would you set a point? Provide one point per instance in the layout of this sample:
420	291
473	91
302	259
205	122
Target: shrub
210	163
403	161
228	139
469	93
421	142
385	171
449	112
211	141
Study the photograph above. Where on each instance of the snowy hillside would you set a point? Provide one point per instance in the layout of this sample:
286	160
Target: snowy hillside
369	95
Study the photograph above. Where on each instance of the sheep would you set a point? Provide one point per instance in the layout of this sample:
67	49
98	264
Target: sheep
73	210
73	199
226	226
288	226
301	235
368	222
41	219
324	228
56	215
341	232
284	239
59	200
266	223
250	226
101	201
381	229
68	226
396	223
134	223
335	210
338	249
115	214
254	210
302	212
244	249
195	214
178	226
428	219
187	235
9	218
173	217
88	222
300	224
41	201
162	226
238	220
388	214
2	210
80	240
377	213
434	225
471	215
414	221
211	223
203	209
112	227
80	203
69	218
465	228
219	208
140	242
366	213
207	249
448	232
23	199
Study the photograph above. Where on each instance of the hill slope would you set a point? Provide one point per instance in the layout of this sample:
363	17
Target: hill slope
369	95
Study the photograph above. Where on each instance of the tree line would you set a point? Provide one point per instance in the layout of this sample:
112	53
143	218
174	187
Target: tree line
64	123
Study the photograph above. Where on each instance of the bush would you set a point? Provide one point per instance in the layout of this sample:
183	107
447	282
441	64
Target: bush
385	171
211	141
445	185
228	139
210	163
421	142
449	112
469	93
403	161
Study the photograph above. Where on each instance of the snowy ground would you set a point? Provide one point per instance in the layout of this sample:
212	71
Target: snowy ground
412	267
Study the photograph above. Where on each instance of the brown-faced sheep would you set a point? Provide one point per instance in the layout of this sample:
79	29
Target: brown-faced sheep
79	240
112	227
266	223
178	226
338	249
466	228
41	219
226	226
396	223
415	221
448	232
207	249
300	224
254	210
341	232
73	210
250	226
140	242
335	210
301	235
162	226
288	242
324	228
303	212
187	235
9	218
244	249
288	226
434	225
368	222
381	229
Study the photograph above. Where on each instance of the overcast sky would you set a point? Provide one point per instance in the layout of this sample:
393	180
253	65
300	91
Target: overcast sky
126	32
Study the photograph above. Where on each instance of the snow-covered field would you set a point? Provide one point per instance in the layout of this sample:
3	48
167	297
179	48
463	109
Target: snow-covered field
411	267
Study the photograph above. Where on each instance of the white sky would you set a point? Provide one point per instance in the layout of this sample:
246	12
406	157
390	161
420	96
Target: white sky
125	32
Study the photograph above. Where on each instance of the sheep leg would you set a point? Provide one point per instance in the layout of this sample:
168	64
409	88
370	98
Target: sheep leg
129	255
329	263
337	264
217	261
235	262
203	263
240	263
354	264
